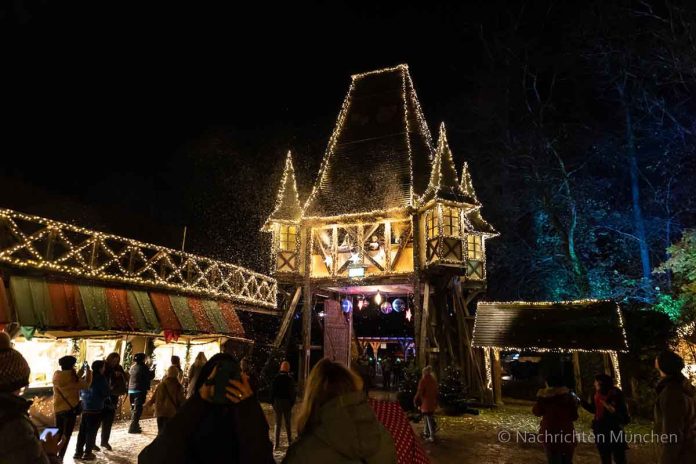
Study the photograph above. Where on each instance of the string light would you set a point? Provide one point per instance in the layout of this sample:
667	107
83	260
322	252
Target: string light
541	305
287	206
160	267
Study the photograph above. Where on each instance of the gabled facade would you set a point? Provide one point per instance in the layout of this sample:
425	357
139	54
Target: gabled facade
386	202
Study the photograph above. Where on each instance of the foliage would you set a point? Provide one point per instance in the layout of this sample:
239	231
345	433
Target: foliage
408	386
452	391
128	356
681	268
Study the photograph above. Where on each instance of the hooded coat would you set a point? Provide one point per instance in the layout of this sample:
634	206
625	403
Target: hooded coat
558	409
168	397
343	431
675	414
427	394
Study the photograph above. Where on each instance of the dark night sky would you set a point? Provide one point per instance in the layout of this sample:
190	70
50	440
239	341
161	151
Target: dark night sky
106	107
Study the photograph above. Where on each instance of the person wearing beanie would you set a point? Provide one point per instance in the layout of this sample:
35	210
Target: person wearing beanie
94	400
675	410
19	438
66	397
138	385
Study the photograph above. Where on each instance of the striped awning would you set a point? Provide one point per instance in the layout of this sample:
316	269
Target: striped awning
54	305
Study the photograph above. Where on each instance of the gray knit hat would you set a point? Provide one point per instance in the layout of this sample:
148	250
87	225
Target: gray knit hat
14	369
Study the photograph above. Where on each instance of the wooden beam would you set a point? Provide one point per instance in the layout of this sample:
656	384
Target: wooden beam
577	374
317	237
403	241
287	319
424	322
497	374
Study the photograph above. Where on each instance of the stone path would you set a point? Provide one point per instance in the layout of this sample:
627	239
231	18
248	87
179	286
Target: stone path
461	440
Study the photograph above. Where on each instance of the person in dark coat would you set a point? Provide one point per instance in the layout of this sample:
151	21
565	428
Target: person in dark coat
138	385
19	439
283	399
558	409
675	410
610	416
117	379
93	400
204	432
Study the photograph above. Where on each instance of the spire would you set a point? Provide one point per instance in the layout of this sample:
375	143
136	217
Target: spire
466	185
443	182
287	207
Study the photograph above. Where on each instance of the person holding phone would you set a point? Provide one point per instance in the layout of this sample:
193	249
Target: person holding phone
138	385
610	416
221	423
67	384
19	438
93	399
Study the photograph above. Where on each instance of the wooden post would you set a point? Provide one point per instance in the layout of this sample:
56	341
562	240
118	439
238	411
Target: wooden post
305	356
421	345
497	374
577	373
287	319
606	363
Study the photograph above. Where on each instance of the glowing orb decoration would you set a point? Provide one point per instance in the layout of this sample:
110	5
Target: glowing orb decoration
346	305
386	307
398	305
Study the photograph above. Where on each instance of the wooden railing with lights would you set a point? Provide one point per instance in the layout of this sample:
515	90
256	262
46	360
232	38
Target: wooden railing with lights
38	243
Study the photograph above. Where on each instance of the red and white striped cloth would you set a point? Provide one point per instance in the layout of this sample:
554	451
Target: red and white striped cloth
408	446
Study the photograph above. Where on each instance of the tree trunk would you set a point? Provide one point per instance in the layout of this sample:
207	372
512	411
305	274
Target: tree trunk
638	221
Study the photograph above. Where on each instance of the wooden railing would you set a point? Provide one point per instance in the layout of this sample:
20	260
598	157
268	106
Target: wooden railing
43	244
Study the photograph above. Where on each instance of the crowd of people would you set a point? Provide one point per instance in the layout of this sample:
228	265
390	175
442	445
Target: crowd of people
336	422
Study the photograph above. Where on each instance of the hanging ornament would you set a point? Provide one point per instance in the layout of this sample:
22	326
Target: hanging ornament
398	305
362	302
386	307
408	314
346	305
378	298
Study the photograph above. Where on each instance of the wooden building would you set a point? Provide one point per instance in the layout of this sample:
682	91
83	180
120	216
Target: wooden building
388	215
585	326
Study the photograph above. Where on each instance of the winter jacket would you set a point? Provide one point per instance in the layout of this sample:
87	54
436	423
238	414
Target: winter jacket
66	389
427	394
283	388
94	397
140	378
558	409
343	431
675	414
607	423
118	380
203	432
168	397
19	439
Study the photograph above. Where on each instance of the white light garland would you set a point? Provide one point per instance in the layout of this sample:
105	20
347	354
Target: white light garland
216	279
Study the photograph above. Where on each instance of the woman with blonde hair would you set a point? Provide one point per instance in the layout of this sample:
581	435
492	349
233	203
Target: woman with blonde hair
336	424
193	372
426	400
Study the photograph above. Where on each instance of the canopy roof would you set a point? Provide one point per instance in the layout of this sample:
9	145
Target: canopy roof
51	305
587	325
378	157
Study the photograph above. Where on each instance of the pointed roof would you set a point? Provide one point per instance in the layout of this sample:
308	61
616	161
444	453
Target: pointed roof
443	184
379	153
287	207
466	185
474	216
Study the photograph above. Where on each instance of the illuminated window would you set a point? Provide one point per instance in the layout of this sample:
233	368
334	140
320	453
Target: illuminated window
450	221
431	224
287	237
474	246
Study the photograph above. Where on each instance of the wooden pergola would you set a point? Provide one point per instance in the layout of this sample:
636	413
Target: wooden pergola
561	327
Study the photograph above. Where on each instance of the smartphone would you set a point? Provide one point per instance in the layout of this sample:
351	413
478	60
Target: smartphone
48	431
227	369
